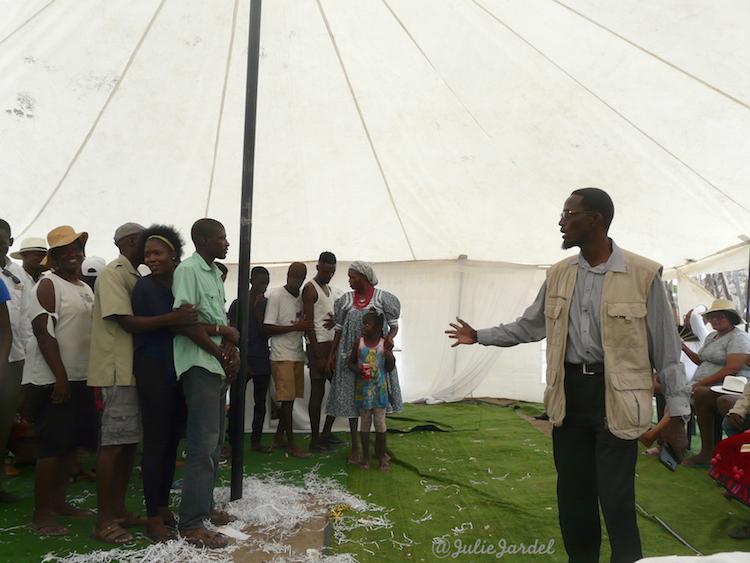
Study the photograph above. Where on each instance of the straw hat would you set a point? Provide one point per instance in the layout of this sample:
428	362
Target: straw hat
63	236
727	307
31	244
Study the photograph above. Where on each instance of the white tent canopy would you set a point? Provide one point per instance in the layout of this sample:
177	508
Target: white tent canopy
394	131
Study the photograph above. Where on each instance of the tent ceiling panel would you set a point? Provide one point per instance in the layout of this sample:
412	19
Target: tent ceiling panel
387	130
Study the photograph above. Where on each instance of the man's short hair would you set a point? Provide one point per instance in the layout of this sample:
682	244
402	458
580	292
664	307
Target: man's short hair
327	257
258	271
5	226
598	201
204	228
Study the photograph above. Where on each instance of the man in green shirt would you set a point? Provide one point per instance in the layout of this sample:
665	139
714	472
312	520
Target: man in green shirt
206	361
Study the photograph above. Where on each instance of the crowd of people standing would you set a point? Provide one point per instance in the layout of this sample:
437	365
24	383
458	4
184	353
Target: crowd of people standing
105	359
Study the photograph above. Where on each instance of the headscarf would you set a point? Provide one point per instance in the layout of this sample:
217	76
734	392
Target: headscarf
365	269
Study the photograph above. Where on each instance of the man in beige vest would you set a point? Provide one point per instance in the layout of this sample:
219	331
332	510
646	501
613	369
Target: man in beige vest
608	324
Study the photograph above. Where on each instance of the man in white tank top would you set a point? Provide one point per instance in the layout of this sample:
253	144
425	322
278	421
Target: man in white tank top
317	302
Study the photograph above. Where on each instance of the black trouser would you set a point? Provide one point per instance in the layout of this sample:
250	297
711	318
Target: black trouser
163	413
260	390
594	468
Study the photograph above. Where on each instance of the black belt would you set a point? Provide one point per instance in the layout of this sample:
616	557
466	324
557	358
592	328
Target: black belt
586	369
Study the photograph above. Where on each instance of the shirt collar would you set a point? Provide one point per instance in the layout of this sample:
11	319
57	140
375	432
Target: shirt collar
203	264
132	269
615	262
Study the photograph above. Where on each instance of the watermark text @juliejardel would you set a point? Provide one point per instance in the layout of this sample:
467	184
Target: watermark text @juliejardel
444	547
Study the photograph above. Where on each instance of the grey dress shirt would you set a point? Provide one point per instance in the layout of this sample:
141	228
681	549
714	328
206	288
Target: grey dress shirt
584	343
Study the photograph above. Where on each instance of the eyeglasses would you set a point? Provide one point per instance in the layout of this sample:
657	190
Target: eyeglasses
569	214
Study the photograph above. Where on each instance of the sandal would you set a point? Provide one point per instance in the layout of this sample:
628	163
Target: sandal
201	537
162	535
220	518
49	529
112	533
131	520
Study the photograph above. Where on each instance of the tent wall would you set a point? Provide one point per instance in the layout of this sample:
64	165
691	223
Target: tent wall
429	369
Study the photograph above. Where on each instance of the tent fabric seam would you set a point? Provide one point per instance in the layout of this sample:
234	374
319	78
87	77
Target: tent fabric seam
364	126
28	20
654	55
445	83
96	122
610	107
221	107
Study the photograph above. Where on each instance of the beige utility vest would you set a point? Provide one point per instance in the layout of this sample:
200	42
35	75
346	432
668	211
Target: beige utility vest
627	368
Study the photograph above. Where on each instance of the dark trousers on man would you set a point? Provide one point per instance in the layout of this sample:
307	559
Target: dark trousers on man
260	391
594	468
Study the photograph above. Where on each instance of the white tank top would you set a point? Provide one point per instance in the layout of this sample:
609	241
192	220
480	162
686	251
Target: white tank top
73	307
322	309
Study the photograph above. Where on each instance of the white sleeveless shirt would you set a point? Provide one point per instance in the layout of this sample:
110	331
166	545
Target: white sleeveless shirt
72	330
322	310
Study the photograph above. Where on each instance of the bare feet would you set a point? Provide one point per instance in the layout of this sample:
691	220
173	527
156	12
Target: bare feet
384	465
294	451
354	457
365	464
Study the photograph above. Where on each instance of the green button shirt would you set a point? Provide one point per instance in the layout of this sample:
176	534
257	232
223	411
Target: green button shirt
198	284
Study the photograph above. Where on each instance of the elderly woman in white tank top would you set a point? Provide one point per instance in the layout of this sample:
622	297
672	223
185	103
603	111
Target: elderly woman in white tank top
54	377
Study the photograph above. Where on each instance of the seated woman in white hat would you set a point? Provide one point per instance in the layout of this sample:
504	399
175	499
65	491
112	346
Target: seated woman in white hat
723	353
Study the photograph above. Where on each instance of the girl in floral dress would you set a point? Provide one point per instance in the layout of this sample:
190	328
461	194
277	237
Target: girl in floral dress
371	359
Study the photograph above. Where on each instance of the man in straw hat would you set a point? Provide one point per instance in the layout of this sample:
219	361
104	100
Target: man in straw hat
18	283
605	316
54	375
111	368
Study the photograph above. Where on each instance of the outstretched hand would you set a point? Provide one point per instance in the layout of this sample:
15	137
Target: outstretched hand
462	333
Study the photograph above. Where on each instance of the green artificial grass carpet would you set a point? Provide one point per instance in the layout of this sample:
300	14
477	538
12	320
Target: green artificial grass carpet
473	473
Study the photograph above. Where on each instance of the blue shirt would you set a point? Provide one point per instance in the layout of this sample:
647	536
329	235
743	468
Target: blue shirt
4	293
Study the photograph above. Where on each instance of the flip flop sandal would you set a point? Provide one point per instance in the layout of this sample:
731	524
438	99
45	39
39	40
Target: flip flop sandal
162	537
51	530
131	520
113	534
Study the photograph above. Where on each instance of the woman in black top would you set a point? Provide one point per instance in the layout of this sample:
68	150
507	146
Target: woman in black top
159	391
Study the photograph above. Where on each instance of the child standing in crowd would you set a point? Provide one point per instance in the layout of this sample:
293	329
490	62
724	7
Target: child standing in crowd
371	359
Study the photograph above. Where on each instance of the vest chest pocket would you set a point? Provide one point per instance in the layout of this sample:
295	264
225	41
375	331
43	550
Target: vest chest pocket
552	320
625	325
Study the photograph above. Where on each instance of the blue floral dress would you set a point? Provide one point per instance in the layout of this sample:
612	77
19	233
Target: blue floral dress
371	390
341	397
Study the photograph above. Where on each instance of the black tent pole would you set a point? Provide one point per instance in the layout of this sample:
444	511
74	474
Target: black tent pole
237	410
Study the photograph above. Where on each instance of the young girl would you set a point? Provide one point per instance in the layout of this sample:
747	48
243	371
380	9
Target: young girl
371	359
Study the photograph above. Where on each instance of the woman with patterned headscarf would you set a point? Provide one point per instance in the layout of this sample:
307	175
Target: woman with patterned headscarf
348	312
